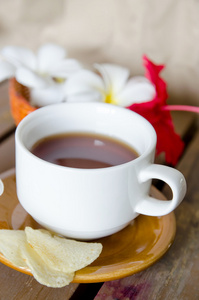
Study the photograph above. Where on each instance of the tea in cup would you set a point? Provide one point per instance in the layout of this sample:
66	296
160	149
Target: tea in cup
84	170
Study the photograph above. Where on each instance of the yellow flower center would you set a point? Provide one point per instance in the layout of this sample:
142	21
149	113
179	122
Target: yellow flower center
59	80
110	99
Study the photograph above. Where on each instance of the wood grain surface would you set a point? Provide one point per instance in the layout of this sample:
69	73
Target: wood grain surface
175	276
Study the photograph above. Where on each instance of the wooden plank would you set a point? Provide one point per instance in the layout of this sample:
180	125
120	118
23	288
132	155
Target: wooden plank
4	95
176	275
18	286
7	154
22	286
6	120
185	124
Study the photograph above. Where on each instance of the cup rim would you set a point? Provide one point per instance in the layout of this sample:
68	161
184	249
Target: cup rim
45	109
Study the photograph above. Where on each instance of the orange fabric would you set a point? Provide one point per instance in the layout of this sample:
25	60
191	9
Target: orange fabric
19	101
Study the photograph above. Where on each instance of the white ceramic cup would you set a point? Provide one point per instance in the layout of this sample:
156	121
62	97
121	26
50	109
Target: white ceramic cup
1	187
91	203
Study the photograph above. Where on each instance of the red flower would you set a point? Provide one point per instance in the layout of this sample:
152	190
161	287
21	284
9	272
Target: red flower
154	111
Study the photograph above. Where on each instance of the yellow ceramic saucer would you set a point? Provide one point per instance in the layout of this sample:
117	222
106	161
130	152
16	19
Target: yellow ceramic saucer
129	251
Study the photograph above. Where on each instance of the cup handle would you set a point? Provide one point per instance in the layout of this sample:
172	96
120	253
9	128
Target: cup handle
154	207
1	187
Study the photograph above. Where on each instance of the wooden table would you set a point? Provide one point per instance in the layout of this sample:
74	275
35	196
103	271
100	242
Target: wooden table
174	276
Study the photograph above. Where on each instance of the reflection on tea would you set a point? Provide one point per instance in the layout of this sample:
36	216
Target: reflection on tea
84	150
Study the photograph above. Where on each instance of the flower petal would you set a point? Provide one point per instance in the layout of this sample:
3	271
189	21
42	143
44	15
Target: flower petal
167	140
138	89
114	77
42	97
89	96
31	79
152	72
83	81
48	55
19	56
171	142
7	70
64	68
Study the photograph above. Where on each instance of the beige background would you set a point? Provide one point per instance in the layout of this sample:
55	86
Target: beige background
118	31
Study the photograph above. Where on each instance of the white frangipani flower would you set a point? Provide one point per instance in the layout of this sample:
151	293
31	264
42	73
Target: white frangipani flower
111	86
7	70
43	73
